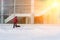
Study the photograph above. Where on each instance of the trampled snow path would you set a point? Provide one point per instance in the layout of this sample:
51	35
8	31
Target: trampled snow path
30	32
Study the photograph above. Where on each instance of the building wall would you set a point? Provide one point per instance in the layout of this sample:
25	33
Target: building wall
50	13
21	6
0	11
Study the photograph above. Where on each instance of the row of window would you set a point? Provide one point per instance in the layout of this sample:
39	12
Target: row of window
24	6
21	6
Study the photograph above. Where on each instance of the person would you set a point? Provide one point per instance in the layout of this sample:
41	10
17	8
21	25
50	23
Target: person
15	21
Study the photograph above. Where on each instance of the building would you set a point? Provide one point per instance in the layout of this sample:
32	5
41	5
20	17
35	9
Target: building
30	11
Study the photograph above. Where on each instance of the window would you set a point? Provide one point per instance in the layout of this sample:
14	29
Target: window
8	8
0	11
23	6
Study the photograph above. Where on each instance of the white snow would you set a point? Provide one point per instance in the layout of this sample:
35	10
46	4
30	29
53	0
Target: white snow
30	32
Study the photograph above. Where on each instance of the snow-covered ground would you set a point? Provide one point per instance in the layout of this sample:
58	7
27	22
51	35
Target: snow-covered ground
30	32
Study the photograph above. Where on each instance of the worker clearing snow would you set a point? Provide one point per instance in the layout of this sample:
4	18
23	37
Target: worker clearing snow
15	21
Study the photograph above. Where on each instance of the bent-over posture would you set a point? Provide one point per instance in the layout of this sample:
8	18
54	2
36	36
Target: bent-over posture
15	21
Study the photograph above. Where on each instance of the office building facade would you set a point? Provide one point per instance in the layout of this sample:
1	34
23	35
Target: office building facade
29	11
